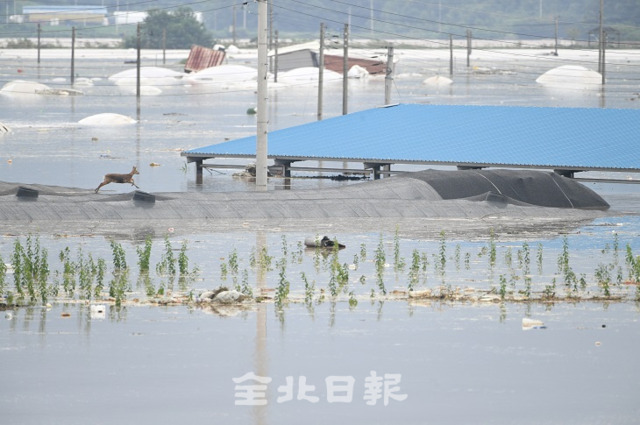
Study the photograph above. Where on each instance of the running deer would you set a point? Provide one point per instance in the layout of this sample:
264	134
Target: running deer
119	178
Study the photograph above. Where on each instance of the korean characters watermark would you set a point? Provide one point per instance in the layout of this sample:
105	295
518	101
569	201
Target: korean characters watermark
251	389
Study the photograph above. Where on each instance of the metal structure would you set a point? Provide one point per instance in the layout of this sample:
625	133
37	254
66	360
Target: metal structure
567	140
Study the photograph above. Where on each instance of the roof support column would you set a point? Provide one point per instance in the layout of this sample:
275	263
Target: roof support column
198	162
375	168
285	166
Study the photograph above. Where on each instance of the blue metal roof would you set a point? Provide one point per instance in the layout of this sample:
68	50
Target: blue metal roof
562	138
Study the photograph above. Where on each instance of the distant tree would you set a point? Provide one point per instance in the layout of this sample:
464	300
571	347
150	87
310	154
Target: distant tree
181	26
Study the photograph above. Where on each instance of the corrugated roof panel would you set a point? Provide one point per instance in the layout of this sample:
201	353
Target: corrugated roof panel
526	136
202	58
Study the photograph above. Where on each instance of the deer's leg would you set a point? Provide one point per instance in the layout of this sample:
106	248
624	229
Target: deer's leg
101	184
134	184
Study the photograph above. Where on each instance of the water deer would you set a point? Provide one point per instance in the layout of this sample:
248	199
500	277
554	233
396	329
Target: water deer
119	178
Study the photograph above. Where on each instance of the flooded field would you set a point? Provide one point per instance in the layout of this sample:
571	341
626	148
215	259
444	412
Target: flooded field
407	324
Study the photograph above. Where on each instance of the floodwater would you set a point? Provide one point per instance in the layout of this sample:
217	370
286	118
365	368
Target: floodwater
438	364
381	359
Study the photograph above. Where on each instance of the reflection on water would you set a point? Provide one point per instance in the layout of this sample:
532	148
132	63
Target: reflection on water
160	365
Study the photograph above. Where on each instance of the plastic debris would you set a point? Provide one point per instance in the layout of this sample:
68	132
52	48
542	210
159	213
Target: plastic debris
528	324
98	311
325	242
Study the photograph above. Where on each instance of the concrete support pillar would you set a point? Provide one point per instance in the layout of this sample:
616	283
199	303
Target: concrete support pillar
198	171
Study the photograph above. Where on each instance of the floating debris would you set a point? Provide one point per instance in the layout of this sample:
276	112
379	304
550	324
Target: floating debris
98	311
528	324
325	242
223	295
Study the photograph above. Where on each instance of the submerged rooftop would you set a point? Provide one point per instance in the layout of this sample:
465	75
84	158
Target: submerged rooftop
566	140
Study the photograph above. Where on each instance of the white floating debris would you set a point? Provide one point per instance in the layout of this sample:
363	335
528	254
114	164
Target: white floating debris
223	74
21	87
149	76
356	71
528	324
307	74
438	80
571	77
107	118
98	311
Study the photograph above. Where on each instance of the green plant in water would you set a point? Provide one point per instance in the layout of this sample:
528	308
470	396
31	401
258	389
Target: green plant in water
508	258
363	252
297	256
414	271
183	261
118	286
564	268
503	287
264	259
68	271
3	274
398	261
234	266
144	254
633	265
356	261
616	247
339	272
603	277
380	259
246	288
282	291
309	289
285	247
550	290
333	287
353	301
146	281
167	264
442	263
31	270
424	263
18	272
492	249
540	258
119	257
87	271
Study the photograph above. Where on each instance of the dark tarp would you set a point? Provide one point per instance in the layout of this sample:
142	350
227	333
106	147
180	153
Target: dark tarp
544	189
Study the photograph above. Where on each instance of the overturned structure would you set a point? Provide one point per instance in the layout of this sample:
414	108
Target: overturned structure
459	201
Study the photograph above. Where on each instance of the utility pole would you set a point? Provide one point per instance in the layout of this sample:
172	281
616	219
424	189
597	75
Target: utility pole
468	47
262	127
388	79
371	17
556	50
233	25
320	71
138	47
39	32
345	71
73	54
450	54
601	44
